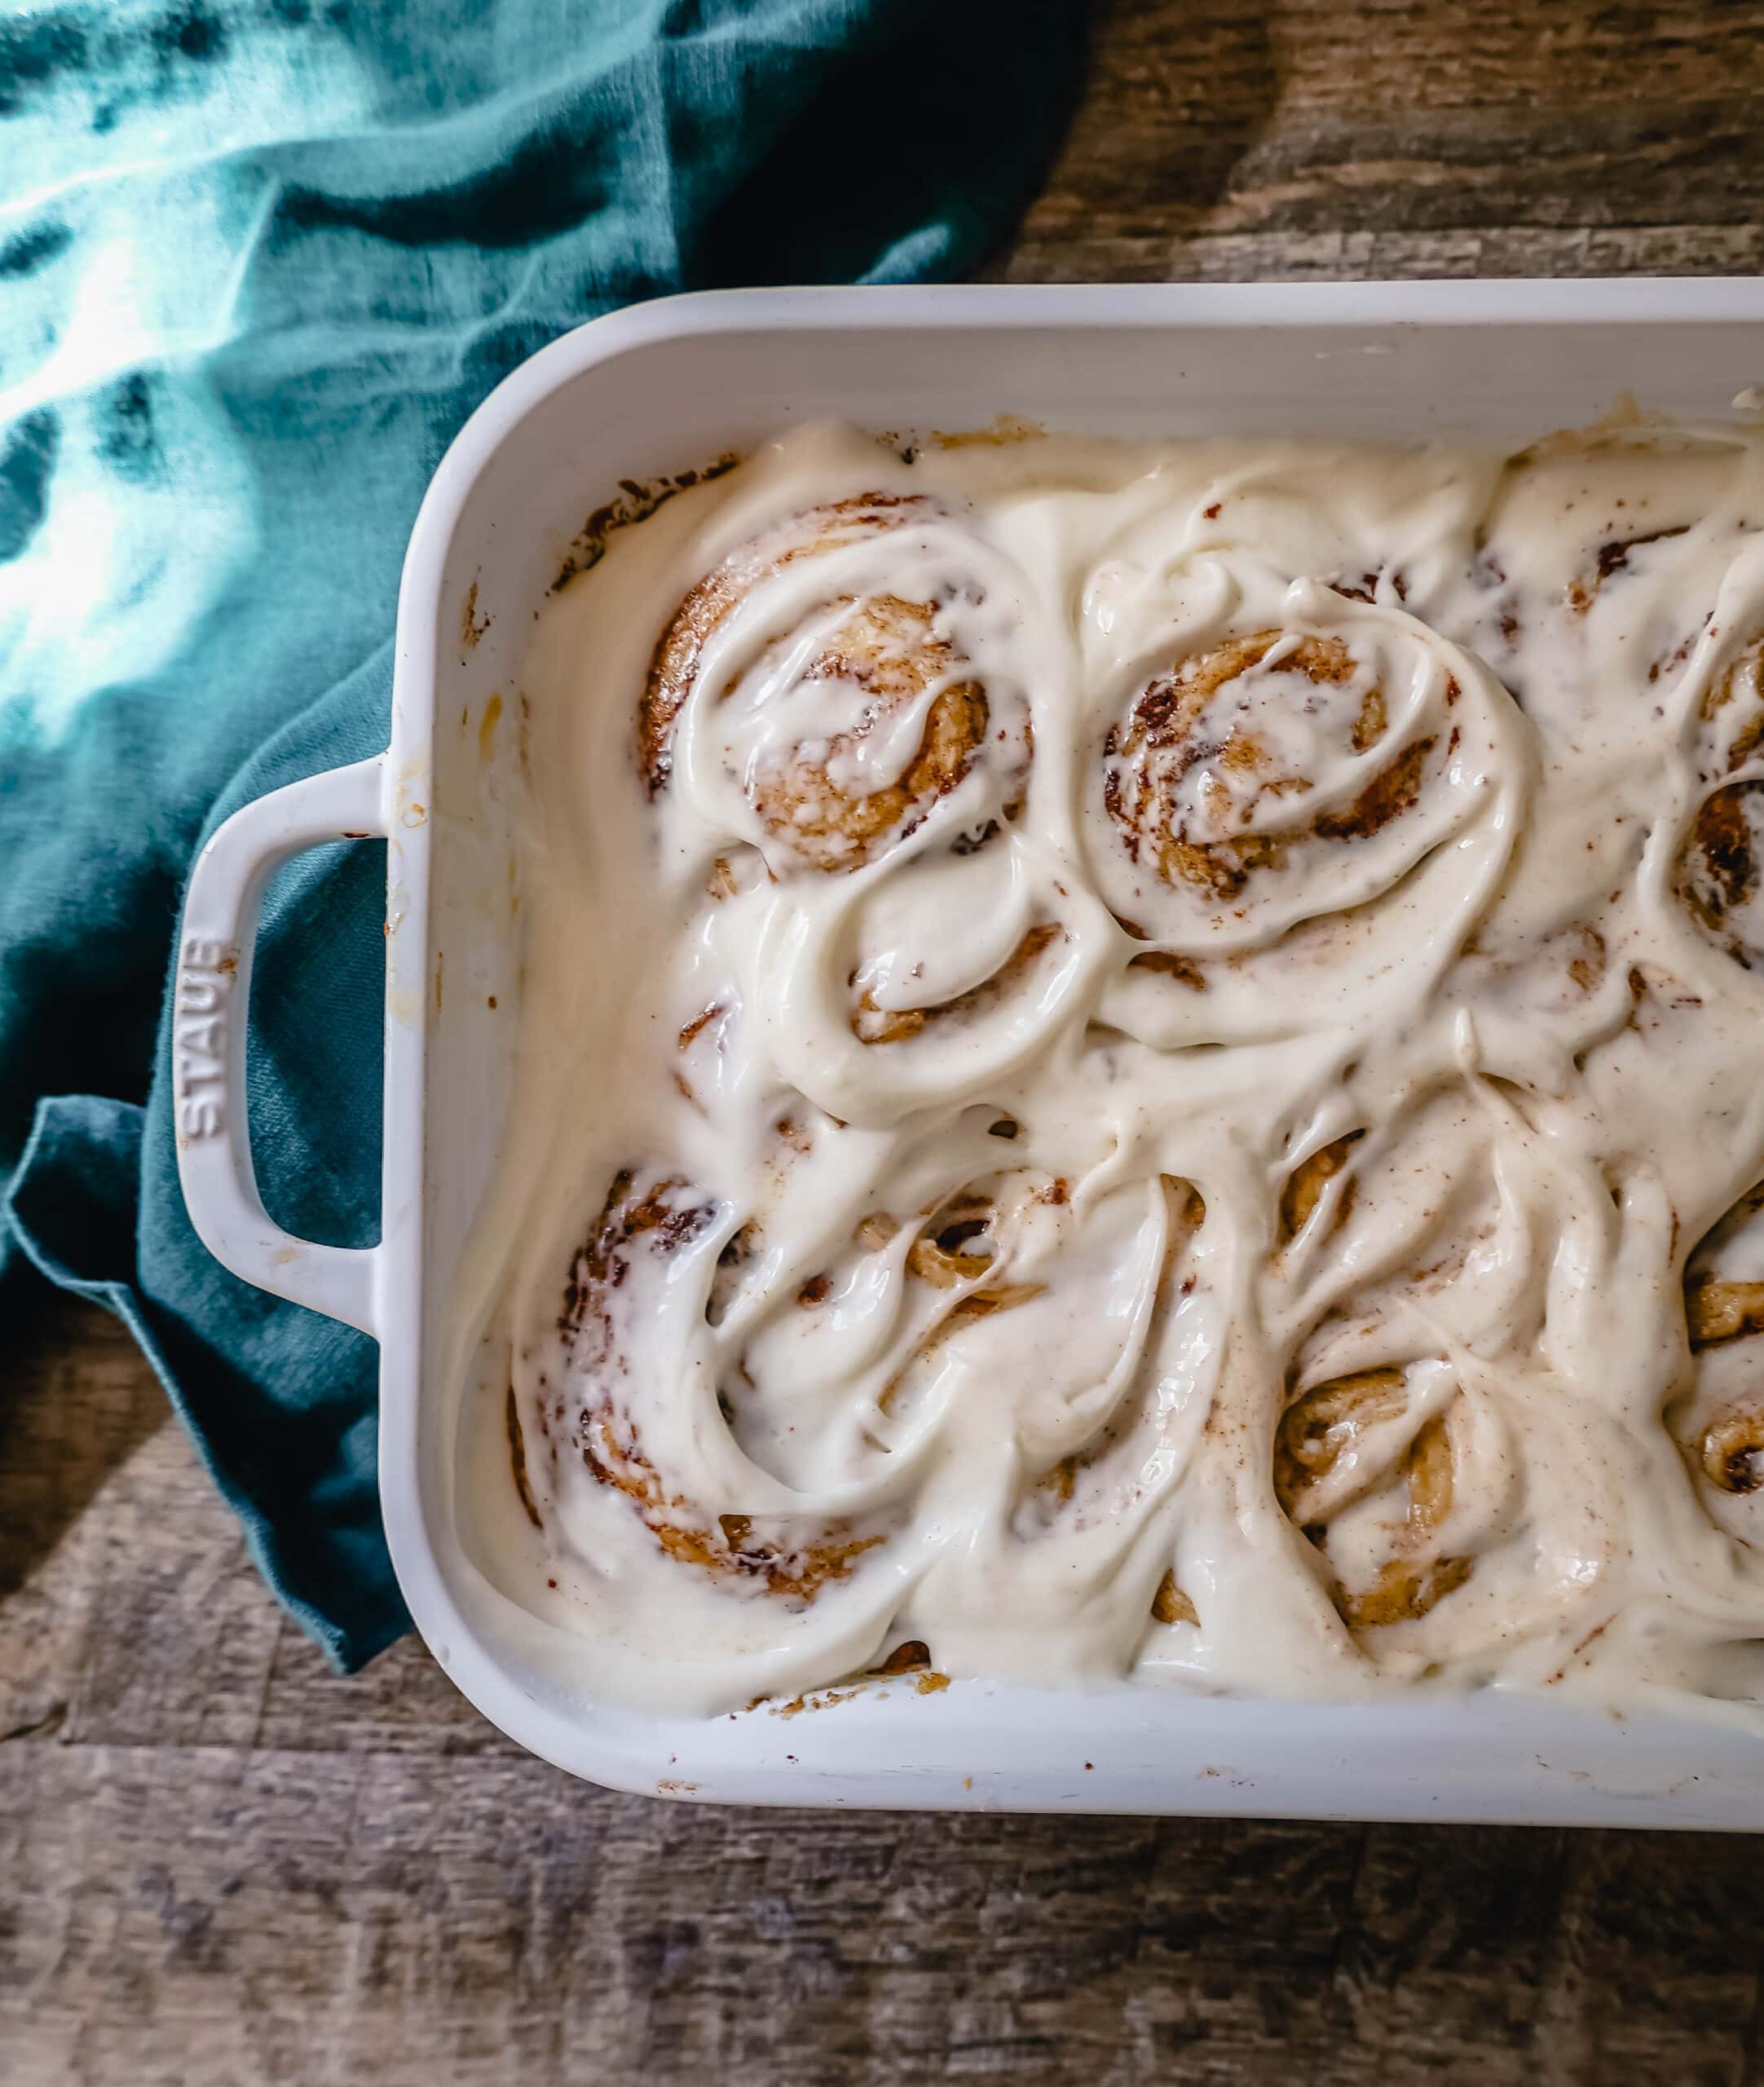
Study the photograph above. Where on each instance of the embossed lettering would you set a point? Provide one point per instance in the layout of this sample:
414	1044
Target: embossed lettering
201	1119
207	1034
205	972
199	995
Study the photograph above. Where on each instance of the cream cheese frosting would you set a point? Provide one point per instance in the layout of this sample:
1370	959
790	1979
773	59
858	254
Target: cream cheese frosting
1141	1063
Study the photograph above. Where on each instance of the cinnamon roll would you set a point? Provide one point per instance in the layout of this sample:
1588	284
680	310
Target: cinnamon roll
1279	774
842	708
650	1266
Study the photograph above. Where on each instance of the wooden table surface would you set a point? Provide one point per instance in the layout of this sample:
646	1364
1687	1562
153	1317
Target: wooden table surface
220	1864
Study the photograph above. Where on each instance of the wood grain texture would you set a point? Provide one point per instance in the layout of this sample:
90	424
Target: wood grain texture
197	1913
1226	140
220	1864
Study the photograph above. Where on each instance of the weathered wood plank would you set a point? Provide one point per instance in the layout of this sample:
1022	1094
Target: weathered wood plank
1368	256
1228	120
189	1914
76	1404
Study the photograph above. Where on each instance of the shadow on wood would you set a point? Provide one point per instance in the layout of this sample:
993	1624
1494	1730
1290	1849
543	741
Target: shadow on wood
70	1417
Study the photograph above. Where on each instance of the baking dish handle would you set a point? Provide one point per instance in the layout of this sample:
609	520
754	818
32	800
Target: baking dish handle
211	996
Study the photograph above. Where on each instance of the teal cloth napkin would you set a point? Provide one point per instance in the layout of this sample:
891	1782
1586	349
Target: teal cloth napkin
259	259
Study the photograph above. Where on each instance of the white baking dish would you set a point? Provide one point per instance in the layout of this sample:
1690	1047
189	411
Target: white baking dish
655	390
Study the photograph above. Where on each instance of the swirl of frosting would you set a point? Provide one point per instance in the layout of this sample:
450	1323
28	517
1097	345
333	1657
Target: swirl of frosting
1427	1364
1279	774
1356	1443
796	1442
653	1268
679	650
849	698
836	692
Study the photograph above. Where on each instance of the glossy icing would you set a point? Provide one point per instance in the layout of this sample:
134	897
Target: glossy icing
1123	1050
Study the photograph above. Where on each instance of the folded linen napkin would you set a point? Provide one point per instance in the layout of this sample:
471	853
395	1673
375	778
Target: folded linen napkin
259	259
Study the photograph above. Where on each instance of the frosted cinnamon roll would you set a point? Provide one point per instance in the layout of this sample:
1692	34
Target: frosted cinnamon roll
1427	1363
1272	815
1369	1474
1070	1348
999	1257
848	699
805	1398
826	671
586	1406
1377	1428
1283	772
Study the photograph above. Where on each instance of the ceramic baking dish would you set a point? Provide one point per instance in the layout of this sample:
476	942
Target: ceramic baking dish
652	392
